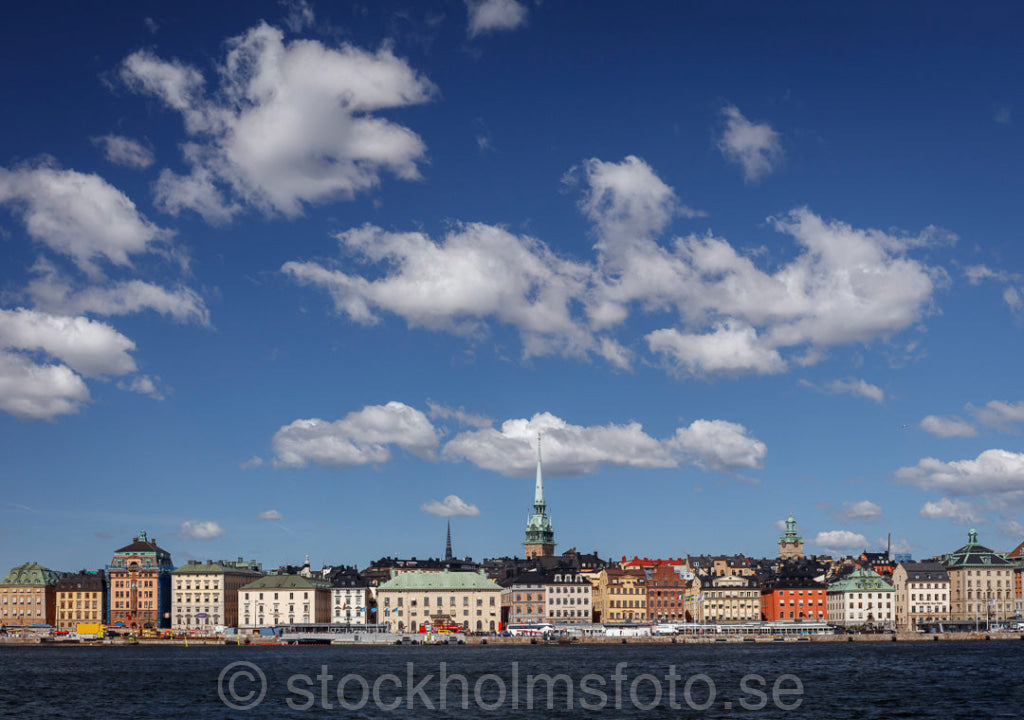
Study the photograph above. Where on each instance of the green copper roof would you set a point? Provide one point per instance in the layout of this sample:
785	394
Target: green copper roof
286	582
973	554
790	537
444	580
860	581
31	575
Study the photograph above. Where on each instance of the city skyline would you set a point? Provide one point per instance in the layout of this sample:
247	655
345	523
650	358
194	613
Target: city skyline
299	278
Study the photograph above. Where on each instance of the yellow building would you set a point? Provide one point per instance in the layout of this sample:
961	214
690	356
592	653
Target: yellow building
981	583
731	598
414	599
81	598
28	596
619	595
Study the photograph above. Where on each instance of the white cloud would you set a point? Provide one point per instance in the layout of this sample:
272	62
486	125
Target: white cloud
144	385
1002	116
864	510
200	530
451	506
975	274
579	450
87	346
960	512
124	151
360	438
38	392
730	348
720	445
270	515
78	215
54	293
478	272
487	16
838	540
842	286
999	414
754	146
290	123
300	15
853	386
443	412
949	426
254	461
993	472
1012	529
780	525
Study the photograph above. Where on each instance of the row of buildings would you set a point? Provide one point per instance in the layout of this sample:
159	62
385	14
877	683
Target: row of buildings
141	589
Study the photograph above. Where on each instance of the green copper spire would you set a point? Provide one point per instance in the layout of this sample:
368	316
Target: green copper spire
538	528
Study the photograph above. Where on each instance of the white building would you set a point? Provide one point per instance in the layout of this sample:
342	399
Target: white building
276	600
411	600
860	598
205	595
922	594
351	598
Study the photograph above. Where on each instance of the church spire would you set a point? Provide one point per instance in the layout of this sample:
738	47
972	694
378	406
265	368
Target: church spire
540	536
448	543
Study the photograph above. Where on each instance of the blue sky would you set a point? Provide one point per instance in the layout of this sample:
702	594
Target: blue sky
297	278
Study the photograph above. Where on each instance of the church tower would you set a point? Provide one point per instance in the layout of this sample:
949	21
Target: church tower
791	545
540	536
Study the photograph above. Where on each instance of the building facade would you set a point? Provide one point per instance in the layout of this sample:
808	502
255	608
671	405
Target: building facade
275	600
791	545
922	594
28	596
411	601
669	582
81	598
861	598
731	598
981	583
205	595
619	595
351	599
791	597
139	585
540	535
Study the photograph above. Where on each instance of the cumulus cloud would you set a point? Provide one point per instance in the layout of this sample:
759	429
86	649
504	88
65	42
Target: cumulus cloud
842	286
300	15
31	391
144	385
360	438
949	426
290	123
87	346
754	146
254	461
270	515
200	530
838	540
578	450
78	215
451	506
486	16
864	510
124	151
960	512
993	473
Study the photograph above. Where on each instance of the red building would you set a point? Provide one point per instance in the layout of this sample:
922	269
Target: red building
793	597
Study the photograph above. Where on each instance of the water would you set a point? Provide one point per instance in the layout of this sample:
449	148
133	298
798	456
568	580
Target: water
947	680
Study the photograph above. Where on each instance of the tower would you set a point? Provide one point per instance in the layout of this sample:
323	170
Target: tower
791	545
540	536
448	543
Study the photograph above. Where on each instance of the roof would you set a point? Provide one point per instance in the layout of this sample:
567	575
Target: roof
546	576
214	568
859	581
31	575
974	554
650	562
142	544
925	572
285	582
84	580
444	580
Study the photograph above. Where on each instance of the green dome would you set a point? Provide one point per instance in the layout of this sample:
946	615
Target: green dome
31	574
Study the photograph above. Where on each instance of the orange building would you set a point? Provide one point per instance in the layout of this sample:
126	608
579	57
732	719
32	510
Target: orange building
793	597
140	585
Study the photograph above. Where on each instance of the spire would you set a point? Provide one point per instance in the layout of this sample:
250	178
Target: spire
538	493
448	543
